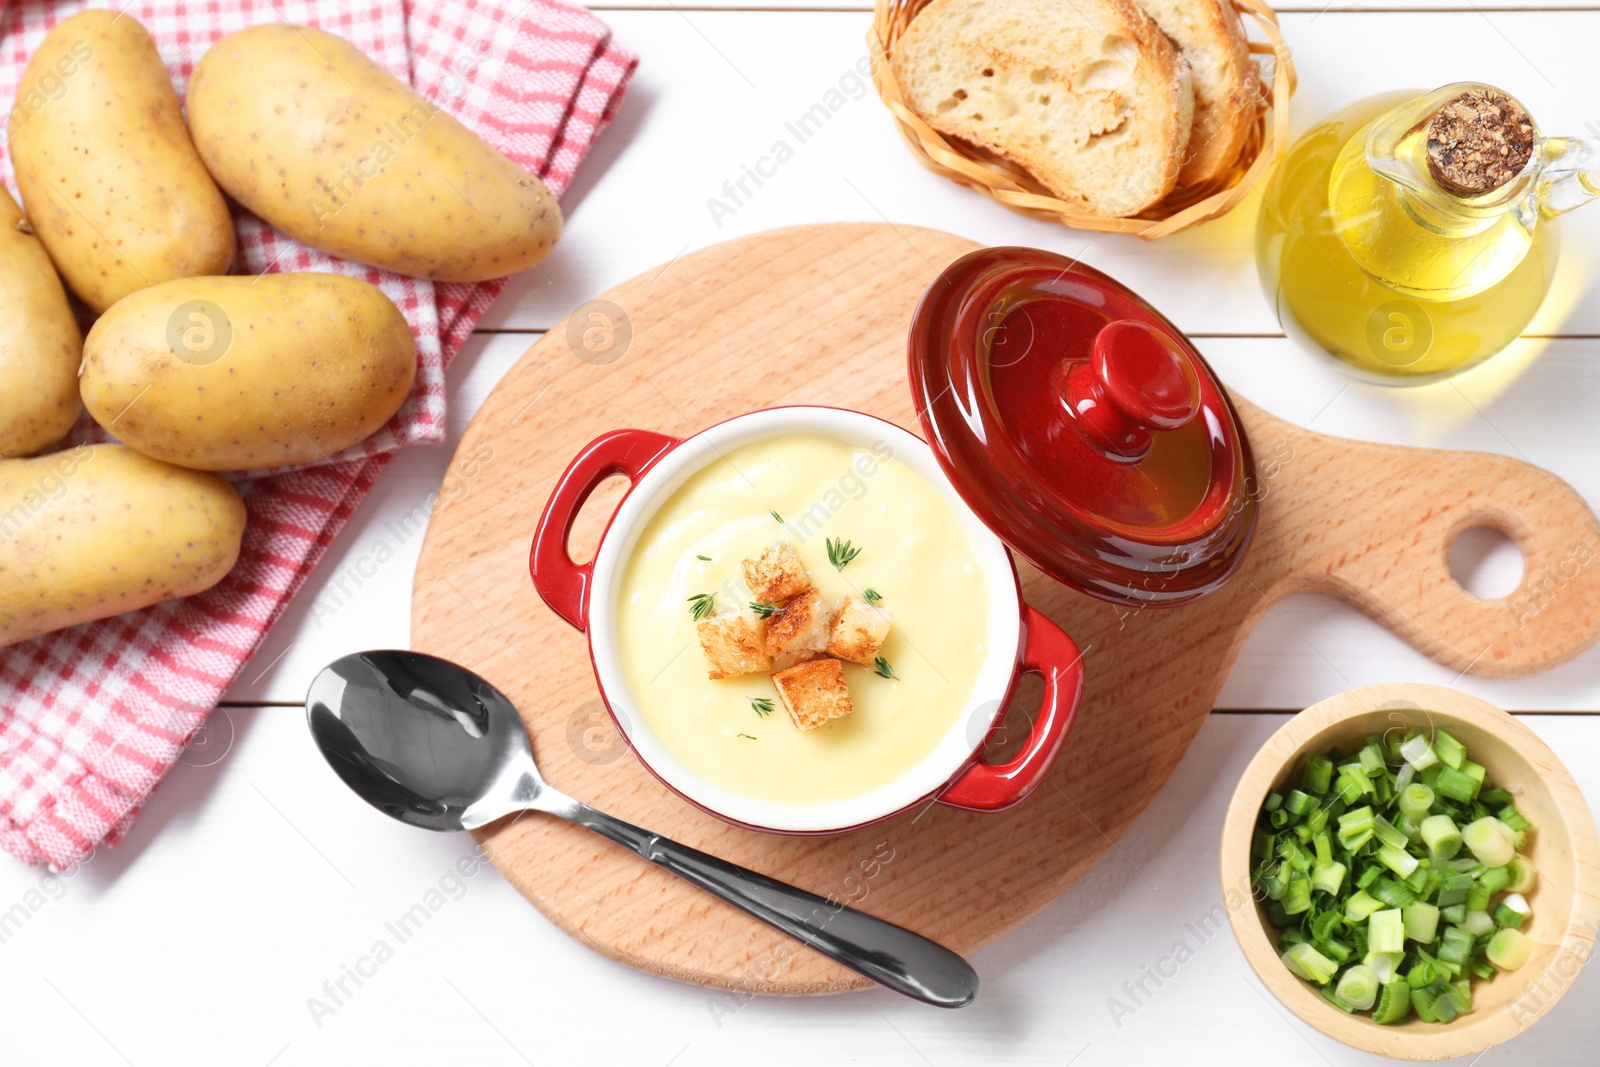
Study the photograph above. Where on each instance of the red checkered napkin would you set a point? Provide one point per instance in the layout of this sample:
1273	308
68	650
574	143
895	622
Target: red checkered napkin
92	717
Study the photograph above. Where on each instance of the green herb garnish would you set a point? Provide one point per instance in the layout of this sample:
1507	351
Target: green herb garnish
872	595
747	737
762	608
706	558
881	668
763	705
775	515
701	605
840	553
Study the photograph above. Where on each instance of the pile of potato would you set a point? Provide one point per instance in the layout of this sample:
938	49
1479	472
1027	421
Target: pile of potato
192	370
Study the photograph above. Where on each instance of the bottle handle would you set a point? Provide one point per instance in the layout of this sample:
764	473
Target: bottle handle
1571	175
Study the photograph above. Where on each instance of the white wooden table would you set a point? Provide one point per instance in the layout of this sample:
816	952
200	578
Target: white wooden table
253	877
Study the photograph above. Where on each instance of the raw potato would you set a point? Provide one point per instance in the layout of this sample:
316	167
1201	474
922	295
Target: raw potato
99	530
307	132
105	165
39	342
237	373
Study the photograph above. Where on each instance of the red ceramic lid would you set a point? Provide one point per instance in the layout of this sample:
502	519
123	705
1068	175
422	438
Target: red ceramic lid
1082	427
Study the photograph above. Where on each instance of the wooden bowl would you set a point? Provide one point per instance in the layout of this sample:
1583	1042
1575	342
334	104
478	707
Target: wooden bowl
1566	900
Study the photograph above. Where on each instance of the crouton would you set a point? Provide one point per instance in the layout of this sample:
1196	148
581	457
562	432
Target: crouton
814	692
734	643
777	576
798	631
859	630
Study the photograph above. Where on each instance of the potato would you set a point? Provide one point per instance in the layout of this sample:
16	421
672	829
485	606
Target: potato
39	342
109	176
97	530
235	373
311	135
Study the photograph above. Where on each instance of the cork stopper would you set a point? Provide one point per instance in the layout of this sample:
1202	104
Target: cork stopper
1478	142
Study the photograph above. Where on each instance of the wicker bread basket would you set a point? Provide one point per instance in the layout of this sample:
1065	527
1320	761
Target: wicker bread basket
1012	187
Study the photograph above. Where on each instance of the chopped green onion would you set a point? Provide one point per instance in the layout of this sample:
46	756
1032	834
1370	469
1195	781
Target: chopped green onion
1513	911
1495	879
1509	949
1318	774
1394	1003
1358	987
1394	894
1383	875
1385	831
1361	905
1522	873
1439	833
1488	842
1455	945
1397	860
1356	820
1386	965
1455	785
1421	922
1386	931
1298	802
1335	950
1371	758
1328	878
1418	753
1448	749
1415	800
1305	961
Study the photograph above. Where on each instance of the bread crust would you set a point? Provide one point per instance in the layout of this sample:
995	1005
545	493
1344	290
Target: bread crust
1225	79
1150	140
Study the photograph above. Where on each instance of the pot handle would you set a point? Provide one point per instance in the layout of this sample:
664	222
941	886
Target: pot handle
1048	652
563	584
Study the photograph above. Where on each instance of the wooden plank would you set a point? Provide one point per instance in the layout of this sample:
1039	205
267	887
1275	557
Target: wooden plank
717	92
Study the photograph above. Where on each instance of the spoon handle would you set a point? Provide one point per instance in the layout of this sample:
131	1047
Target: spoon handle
888	954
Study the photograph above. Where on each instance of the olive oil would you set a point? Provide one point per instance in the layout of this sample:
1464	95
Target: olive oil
1400	281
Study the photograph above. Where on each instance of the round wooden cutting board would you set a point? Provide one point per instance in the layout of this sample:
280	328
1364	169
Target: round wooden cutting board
818	315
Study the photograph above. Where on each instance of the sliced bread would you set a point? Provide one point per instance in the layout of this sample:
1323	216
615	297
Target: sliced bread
1089	96
1212	39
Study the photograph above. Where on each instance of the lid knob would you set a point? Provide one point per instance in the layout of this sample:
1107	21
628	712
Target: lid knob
1135	381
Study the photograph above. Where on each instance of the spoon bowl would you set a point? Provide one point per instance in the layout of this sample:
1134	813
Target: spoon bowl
432	744
373	714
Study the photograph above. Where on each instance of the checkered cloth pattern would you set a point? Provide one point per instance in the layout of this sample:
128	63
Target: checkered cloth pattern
92	717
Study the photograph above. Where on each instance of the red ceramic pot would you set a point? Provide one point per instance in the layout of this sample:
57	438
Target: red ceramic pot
1020	641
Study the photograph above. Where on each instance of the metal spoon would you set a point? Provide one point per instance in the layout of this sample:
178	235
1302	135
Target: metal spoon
428	742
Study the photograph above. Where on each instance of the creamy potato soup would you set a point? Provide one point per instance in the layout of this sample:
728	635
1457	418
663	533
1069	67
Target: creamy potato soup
913	553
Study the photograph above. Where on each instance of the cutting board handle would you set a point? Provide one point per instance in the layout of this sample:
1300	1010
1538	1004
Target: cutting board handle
1373	525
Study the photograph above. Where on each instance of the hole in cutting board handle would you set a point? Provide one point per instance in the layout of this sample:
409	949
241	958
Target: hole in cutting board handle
584	540
1486	562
